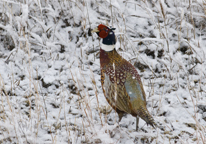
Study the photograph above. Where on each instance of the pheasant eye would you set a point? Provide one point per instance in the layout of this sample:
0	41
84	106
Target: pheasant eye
106	30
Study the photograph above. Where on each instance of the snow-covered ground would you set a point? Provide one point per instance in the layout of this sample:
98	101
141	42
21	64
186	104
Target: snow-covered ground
50	73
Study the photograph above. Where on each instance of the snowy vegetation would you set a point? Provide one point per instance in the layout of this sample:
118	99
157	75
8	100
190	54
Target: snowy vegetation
50	73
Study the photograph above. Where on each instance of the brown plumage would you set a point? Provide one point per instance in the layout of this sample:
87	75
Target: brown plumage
121	84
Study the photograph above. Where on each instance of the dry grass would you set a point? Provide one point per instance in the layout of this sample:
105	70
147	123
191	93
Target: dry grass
69	108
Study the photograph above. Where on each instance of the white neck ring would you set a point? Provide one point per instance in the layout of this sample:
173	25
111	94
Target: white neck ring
108	47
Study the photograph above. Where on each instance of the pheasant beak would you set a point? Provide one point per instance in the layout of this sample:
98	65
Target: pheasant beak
95	30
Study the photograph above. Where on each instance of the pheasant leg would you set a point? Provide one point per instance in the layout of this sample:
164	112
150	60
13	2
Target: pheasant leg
137	123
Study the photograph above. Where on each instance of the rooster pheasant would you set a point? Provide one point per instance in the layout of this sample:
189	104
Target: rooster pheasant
121	83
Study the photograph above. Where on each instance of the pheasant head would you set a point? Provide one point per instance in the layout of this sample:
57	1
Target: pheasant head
107	35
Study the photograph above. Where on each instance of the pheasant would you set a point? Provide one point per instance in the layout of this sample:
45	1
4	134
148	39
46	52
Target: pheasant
121	83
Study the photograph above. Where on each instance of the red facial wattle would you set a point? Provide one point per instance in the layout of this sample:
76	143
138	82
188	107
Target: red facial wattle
103	31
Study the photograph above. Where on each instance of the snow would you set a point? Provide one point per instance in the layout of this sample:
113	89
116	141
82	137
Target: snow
50	73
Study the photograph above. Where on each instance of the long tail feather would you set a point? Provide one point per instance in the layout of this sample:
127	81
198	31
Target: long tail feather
144	114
